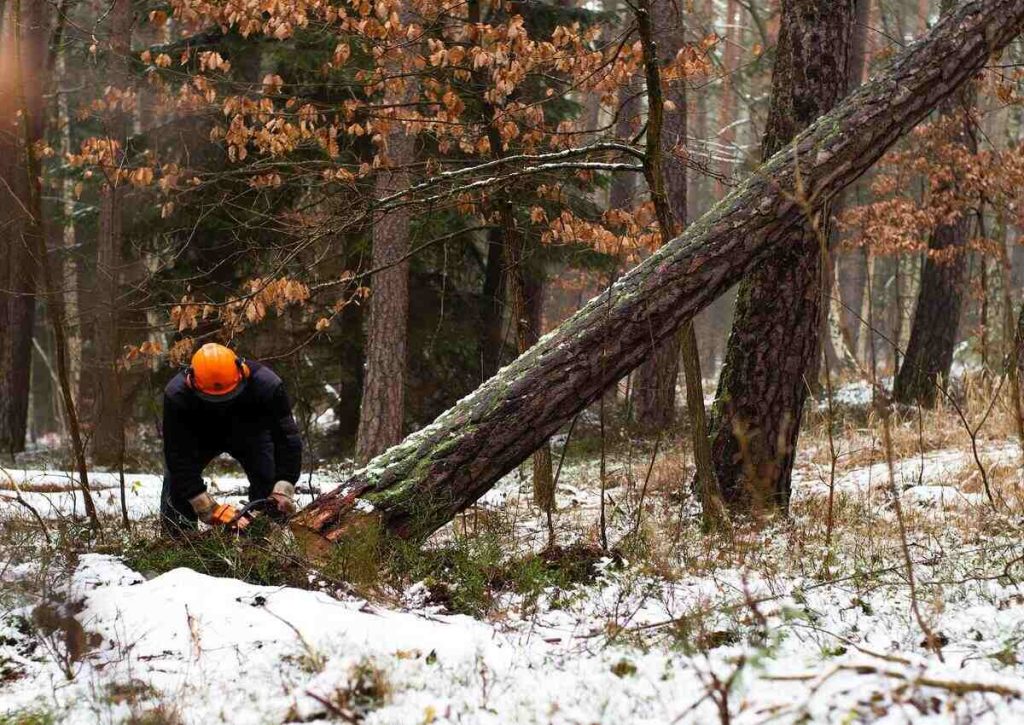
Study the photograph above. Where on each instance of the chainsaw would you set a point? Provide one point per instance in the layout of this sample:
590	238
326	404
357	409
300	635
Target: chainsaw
237	520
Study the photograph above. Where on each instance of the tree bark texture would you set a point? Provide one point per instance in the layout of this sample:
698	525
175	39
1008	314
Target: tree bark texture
382	412
69	265
654	385
417	486
108	433
525	288
623	186
33	234
543	474
17	261
839	322
492	306
726	131
776	331
929	354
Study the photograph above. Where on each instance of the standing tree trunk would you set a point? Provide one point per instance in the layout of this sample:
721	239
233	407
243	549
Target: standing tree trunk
27	30
776	330
855	267
108	437
543	475
524	292
654	386
417	486
666	177
492	338
727	102
623	186
382	411
943	280
69	271
838	342
518	281
33	236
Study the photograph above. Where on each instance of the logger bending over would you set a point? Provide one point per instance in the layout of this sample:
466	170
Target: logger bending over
224	404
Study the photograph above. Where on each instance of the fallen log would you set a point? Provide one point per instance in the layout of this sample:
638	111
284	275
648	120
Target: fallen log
417	486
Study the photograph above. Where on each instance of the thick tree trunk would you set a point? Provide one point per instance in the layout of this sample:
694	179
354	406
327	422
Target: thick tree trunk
654	385
775	335
936	318
417	486
17	263
108	436
382	411
929	355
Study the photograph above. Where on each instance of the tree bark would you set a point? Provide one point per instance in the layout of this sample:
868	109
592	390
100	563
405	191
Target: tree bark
726	131
666	180
34	236
856	268
838	342
69	265
108	436
623	186
929	355
417	486
654	385
17	263
543	475
492	342
382	411
936	319
775	336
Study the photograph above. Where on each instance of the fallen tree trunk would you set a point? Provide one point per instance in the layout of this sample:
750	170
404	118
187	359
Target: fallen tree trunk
417	486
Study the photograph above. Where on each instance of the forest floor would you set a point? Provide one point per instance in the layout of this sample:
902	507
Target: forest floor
781	621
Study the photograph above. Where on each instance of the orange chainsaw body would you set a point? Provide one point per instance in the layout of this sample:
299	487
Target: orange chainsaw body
227	515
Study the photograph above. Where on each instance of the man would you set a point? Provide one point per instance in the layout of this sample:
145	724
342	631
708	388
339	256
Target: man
224	404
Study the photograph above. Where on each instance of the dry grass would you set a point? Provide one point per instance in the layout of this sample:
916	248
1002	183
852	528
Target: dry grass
982	402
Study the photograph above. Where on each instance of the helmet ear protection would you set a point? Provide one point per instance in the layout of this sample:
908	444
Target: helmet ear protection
244	372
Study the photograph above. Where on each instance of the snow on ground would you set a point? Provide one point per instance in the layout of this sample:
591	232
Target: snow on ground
630	647
55	493
221	650
932	478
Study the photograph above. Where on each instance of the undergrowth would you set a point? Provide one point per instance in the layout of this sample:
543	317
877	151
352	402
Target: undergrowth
463	574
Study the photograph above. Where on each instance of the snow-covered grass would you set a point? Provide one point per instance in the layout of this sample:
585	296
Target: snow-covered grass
631	647
766	623
56	493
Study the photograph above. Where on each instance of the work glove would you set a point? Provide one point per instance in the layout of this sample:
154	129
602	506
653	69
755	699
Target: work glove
203	505
283	497
212	513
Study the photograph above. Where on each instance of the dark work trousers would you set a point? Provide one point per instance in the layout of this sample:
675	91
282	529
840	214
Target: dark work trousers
255	454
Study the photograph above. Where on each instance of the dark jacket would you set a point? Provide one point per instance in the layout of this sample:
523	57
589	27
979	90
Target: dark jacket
258	423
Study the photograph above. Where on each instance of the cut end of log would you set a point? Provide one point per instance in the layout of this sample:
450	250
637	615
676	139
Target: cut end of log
320	544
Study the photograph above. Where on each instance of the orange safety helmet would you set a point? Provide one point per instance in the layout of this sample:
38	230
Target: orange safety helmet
217	374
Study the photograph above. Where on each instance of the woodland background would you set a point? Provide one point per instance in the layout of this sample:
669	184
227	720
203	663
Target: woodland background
388	202
805	506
